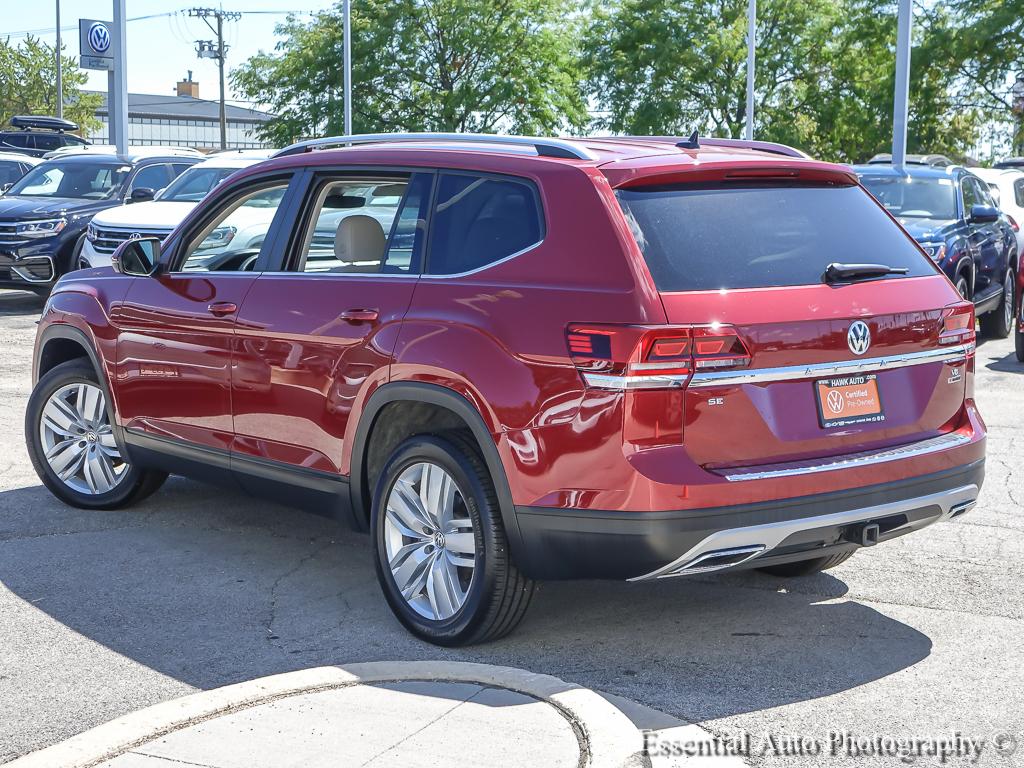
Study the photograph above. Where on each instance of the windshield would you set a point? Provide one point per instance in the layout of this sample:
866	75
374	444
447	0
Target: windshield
88	181
914	198
194	184
725	236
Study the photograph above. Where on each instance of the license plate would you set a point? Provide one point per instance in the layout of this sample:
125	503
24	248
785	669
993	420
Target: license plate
849	400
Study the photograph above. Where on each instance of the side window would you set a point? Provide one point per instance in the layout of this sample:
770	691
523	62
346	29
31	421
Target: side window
367	226
479	220
152	176
179	168
1018	192
231	240
970	195
984	193
49	141
18	140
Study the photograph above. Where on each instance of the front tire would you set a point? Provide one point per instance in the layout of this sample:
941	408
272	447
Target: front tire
998	324
70	438
440	547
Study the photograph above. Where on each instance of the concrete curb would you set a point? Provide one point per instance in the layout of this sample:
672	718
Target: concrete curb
608	738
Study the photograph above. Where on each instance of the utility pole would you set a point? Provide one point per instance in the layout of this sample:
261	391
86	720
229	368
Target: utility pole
118	81
347	42
748	131
901	100
60	68
207	50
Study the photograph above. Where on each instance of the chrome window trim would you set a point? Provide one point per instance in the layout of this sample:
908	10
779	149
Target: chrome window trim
824	370
850	461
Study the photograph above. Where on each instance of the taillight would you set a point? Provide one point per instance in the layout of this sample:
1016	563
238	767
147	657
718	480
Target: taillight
958	324
645	357
1013	222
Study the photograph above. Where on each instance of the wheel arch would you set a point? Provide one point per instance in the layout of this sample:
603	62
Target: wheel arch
453	410
61	343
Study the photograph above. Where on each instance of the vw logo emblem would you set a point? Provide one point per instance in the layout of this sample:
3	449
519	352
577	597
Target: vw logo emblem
99	37
858	337
135	236
835	401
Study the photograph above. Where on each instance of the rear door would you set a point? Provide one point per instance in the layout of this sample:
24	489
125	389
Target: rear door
316	336
795	366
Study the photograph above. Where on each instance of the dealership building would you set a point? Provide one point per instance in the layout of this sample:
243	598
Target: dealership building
183	119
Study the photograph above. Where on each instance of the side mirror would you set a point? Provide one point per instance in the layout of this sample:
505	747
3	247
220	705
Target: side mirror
141	194
984	214
138	257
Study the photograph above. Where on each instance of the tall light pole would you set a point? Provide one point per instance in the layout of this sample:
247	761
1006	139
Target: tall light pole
347	55
119	80
206	50
748	131
60	70
901	100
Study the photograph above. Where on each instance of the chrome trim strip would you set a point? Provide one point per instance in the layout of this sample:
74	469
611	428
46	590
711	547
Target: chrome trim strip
694	566
824	370
770	535
850	461
787	373
608	381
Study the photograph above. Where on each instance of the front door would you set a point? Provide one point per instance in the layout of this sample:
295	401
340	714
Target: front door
176	329
317	337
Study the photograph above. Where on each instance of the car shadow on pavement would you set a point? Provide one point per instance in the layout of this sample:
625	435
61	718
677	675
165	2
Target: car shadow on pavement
20	303
211	587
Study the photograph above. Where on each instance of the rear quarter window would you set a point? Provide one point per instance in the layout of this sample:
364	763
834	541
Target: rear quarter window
701	238
480	220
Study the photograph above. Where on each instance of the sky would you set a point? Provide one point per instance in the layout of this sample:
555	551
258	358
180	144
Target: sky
161	50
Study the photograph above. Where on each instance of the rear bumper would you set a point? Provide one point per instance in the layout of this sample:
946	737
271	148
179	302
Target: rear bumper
569	543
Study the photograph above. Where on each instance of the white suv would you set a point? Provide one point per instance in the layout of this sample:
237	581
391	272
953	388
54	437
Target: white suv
1007	187
245	229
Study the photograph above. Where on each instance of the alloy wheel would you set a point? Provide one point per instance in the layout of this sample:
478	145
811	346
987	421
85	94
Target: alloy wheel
430	541
78	441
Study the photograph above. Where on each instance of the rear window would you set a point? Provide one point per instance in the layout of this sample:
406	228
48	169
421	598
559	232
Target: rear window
714	237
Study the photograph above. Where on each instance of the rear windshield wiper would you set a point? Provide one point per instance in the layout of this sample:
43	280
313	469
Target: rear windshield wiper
845	273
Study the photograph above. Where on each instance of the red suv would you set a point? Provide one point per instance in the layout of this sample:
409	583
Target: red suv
515	359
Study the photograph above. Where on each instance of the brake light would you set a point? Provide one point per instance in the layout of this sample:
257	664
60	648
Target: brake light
1013	222
645	357
958	324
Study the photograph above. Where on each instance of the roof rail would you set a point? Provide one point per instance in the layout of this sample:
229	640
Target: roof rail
543	147
707	141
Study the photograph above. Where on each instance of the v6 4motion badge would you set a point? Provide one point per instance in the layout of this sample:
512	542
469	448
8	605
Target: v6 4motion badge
848	400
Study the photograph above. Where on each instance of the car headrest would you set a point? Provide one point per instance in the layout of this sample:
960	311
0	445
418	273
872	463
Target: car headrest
359	238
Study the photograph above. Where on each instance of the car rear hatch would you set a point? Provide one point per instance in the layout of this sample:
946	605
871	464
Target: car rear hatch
782	360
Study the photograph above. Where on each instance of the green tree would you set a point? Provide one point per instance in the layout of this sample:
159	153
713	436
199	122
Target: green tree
28	77
981	40
823	79
423	65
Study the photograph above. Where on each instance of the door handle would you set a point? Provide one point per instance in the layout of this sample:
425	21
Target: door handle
360	315
222	308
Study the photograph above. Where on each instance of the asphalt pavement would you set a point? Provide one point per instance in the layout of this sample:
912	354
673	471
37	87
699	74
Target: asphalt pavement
102	613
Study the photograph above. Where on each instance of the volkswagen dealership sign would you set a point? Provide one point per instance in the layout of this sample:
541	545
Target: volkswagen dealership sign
96	44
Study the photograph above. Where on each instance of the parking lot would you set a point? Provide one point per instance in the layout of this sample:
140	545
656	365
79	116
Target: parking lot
102	613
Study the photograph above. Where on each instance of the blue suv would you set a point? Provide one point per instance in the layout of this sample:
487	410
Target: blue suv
951	213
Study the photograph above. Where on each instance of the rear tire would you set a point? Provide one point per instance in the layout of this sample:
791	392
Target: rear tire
998	324
70	438
806	567
437	588
963	287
